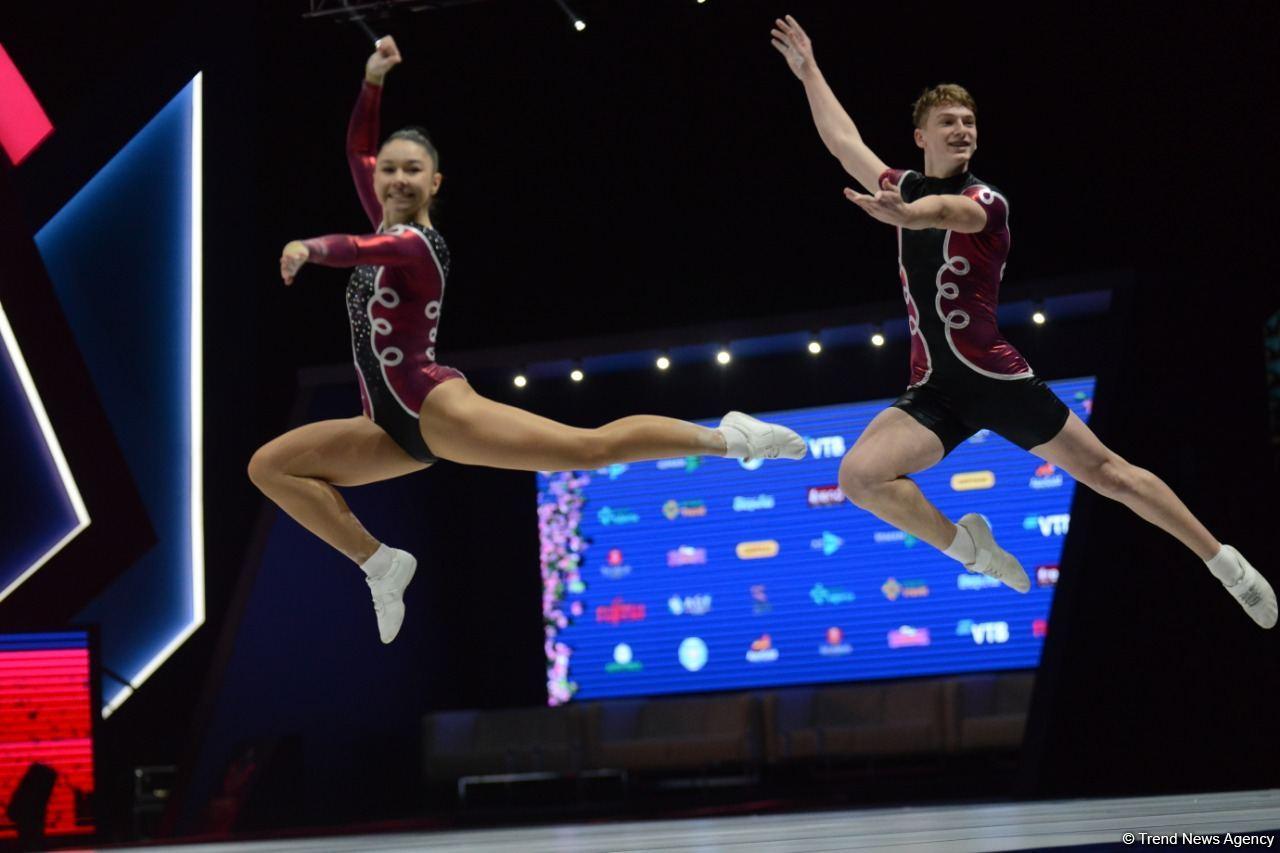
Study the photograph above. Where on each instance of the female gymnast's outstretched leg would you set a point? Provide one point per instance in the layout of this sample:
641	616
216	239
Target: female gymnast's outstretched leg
301	470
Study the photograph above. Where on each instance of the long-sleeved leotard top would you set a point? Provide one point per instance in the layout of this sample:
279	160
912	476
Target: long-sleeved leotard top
951	284
394	296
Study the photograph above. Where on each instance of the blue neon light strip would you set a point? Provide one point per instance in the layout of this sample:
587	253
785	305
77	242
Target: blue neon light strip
125	256
51	511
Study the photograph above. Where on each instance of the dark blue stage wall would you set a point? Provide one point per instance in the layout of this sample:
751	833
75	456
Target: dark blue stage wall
688	575
307	662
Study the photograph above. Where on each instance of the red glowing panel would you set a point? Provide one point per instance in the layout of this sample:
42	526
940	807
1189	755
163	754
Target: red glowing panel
45	719
23	124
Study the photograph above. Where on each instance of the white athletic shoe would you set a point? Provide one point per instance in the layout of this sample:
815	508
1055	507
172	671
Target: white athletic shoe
388	594
992	560
748	438
1253	592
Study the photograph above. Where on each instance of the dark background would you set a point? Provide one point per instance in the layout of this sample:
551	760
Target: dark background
661	170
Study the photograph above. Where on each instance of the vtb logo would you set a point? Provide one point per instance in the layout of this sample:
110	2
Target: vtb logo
826	446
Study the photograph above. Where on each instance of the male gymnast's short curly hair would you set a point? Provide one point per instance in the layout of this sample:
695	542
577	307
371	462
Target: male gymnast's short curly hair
944	94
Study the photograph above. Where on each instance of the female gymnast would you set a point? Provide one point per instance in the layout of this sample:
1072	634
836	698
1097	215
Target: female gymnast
415	410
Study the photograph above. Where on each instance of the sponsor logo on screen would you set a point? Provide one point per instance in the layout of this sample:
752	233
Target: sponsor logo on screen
674	509
688	464
972	581
760	604
826	446
1047	575
692	653
762	650
894	589
884	537
615	566
980	436
824	496
614	471
1046	477
907	636
759	550
834	644
828	544
1048	525
972	481
1085	401
983	633
623	660
610	516
618	611
1039	627
686	555
752	503
689	605
823	594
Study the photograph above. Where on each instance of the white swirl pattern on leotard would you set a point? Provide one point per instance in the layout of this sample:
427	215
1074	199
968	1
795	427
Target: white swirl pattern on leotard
393	362
913	312
389	298
956	318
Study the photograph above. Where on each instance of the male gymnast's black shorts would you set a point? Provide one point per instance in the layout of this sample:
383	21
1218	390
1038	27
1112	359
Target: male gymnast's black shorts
1025	411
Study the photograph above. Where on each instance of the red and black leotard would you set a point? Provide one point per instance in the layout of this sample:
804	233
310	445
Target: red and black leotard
394	296
964	375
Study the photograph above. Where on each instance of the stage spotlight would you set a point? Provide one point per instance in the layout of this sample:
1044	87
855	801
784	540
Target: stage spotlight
578	23
815	346
577	375
663	362
520	381
723	357
877	338
1038	316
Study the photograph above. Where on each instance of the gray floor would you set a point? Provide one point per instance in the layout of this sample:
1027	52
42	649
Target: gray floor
943	828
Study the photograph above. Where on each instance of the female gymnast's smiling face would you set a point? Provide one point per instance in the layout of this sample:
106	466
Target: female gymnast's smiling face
949	137
405	180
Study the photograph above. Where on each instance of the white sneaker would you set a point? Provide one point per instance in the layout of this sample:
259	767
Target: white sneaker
747	438
388	594
1253	592
992	560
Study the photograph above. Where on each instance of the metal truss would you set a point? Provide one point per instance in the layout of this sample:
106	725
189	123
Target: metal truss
341	11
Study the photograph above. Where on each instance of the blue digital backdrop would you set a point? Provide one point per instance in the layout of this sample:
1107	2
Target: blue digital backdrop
699	574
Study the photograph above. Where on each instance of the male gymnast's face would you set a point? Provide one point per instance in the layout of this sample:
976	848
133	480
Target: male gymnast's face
405	179
949	137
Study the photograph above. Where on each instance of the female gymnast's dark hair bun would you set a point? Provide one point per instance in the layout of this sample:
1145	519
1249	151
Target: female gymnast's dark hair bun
413	133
